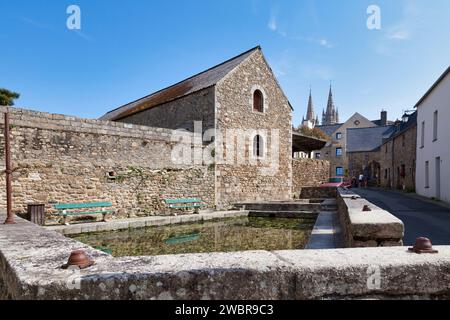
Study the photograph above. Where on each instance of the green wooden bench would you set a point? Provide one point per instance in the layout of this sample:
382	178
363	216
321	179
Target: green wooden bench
76	207
184	204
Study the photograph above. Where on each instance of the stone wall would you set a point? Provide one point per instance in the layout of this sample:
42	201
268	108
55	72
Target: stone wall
309	173
60	159
268	178
374	228
367	163
180	113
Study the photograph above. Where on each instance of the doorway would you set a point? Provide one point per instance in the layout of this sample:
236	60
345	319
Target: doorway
438	178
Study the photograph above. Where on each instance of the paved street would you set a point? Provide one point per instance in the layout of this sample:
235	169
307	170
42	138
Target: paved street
421	218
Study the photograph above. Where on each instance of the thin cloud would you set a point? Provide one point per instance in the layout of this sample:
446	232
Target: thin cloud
399	33
323	42
34	23
272	25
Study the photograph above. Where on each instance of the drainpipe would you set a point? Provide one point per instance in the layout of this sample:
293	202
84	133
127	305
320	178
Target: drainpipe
8	171
393	165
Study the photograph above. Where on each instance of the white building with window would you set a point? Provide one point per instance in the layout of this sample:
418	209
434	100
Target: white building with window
433	141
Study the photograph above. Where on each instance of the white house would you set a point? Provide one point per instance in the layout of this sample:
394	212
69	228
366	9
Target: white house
433	141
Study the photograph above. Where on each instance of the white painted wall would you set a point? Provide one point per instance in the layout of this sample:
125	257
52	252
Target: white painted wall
438	100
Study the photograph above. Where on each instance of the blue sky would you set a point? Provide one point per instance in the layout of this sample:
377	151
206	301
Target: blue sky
128	49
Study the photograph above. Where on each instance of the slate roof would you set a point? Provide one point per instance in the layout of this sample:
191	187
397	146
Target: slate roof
378	122
404	126
186	87
329	129
368	139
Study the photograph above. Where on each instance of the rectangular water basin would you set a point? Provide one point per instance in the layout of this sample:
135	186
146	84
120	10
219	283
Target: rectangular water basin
227	235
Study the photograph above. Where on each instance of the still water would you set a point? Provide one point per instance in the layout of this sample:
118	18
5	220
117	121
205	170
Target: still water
238	234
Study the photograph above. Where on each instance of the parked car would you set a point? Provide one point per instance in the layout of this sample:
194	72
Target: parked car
338	182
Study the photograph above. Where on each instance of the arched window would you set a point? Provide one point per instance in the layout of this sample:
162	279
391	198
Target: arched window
258	101
258	146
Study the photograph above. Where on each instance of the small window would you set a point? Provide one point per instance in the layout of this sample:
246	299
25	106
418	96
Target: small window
258	146
435	126
258	101
386	151
318	155
427	174
338	136
403	140
422	138
338	152
386	173
339	171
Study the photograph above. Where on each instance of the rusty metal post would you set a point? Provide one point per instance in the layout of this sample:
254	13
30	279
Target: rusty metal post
8	171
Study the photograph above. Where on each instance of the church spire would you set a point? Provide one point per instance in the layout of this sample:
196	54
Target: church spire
330	115
310	113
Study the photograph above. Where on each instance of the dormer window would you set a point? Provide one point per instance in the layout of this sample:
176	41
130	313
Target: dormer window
258	101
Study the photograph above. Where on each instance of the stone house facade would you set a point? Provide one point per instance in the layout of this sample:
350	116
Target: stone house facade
336	149
398	156
385	155
251	122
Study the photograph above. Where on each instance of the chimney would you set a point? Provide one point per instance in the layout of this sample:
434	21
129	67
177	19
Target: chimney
383	118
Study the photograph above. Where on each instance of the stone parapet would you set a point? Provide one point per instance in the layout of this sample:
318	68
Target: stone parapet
31	259
374	228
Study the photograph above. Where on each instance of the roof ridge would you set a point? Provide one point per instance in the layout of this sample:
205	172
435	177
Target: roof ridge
435	84
258	47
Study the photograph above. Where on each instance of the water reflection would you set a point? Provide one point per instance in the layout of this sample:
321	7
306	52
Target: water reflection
229	235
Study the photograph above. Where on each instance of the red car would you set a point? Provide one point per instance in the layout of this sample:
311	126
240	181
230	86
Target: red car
338	182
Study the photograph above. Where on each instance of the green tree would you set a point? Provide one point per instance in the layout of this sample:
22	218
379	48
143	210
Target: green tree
7	97
315	133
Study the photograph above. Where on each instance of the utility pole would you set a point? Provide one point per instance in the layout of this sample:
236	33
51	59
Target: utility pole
8	171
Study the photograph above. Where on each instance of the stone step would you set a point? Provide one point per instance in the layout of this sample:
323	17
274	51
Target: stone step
284	214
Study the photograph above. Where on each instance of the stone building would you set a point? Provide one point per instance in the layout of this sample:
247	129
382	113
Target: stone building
433	151
386	155
156	148
335	150
397	155
363	151
244	111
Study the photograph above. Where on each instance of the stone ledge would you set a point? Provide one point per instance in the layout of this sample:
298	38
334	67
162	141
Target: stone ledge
47	121
31	256
123	224
367	228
